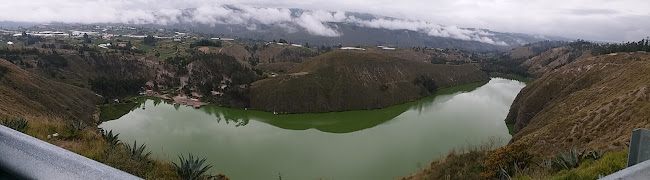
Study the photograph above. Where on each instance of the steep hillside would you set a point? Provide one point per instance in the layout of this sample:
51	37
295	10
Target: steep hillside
552	59
23	93
593	102
274	53
349	80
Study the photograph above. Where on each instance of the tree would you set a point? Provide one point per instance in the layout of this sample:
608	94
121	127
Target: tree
149	40
129	45
86	38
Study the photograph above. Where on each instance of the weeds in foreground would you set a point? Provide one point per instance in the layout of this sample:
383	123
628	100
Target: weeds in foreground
111	139
137	152
191	168
74	129
16	124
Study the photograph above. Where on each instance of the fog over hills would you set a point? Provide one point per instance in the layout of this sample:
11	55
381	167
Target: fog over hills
317	27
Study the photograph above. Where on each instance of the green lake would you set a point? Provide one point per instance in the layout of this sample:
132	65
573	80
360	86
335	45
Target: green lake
372	144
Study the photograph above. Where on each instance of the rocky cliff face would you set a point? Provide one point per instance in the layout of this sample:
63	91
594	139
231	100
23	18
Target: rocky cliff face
594	102
352	80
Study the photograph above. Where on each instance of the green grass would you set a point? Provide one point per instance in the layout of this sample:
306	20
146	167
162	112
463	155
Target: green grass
111	112
590	169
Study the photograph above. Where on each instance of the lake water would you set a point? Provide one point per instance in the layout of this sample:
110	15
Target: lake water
375	144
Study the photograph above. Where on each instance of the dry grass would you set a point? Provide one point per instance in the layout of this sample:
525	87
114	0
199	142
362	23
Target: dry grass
89	143
462	163
595	102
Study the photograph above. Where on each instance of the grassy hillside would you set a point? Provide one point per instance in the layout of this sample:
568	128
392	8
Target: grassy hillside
23	93
553	59
350	80
592	103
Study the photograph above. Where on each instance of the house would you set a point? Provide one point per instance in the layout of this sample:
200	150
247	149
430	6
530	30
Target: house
388	48
216	93
296	45
177	40
105	46
10	43
352	48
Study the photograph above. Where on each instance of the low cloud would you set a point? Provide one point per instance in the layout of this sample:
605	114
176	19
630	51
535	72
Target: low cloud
315	22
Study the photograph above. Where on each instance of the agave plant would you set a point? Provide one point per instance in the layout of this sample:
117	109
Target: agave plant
546	163
191	168
569	160
111	139
75	127
594	155
137	152
17	124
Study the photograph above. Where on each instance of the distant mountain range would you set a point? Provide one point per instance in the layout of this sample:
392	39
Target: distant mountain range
328	28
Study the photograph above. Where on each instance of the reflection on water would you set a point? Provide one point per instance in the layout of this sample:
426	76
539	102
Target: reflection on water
371	144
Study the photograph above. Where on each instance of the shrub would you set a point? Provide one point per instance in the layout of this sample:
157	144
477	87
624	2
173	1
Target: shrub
136	152
572	159
111	139
3	71
191	168
74	130
590	169
569	160
16	124
508	158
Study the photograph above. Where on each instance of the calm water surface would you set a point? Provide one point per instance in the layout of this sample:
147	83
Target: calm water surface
375	144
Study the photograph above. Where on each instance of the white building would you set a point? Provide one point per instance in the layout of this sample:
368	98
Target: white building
10	43
352	48
105	46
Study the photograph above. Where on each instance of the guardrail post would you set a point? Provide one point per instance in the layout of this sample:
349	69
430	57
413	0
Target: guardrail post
639	147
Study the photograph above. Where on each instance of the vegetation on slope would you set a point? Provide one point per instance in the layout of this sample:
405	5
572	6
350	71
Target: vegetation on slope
591	103
346	80
26	94
482	163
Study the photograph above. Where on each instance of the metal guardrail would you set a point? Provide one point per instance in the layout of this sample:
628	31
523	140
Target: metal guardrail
638	166
26	157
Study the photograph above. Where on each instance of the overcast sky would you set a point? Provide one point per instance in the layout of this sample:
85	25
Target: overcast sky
603	20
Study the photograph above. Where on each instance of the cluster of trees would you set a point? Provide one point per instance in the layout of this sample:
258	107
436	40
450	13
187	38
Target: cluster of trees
149	40
86	38
438	60
426	84
503	64
643	45
324	49
112	87
52	60
205	42
3	71
50	46
14	55
29	39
